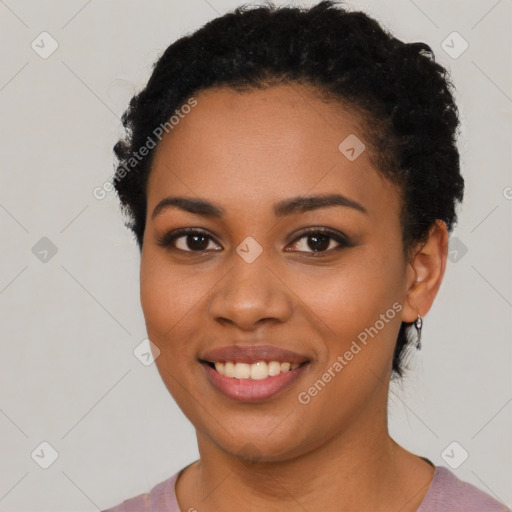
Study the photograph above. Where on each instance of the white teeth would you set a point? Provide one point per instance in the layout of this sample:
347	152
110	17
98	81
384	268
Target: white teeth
259	370
274	368
256	371
242	371
285	367
229	370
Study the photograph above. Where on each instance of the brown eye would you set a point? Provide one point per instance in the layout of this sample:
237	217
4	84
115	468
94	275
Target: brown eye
197	242
320	241
187	240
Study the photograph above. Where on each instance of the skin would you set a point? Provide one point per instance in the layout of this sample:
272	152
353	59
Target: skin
244	152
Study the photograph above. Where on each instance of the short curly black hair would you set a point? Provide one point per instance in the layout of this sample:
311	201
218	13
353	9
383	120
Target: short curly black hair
397	88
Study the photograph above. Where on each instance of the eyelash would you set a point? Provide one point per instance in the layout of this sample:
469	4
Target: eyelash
167	240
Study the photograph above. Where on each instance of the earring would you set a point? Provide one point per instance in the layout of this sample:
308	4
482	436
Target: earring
418	323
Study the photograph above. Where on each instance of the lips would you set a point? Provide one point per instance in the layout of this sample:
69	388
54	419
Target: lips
240	382
252	354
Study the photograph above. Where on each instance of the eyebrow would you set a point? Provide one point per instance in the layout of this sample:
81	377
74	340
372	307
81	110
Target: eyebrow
283	208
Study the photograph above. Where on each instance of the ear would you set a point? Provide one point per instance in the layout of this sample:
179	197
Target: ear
425	272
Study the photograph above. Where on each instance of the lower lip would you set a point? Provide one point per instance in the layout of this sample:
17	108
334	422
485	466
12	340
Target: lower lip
252	390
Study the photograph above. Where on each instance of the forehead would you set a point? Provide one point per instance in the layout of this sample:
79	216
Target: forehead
265	144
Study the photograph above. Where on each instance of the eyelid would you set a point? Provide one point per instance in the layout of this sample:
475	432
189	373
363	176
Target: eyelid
167	239
339	237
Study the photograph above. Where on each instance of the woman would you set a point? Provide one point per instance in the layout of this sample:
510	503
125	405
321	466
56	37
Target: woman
291	176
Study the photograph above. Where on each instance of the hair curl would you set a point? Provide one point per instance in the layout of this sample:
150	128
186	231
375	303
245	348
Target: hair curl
403	95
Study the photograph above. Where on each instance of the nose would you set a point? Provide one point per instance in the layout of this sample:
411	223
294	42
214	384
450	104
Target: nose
250	295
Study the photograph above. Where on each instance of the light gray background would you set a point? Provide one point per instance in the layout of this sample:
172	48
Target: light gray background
69	325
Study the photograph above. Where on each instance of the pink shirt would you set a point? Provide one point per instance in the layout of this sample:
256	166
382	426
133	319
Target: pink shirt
446	493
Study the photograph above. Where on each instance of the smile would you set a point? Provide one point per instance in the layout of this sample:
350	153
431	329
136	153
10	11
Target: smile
256	382
256	371
252	373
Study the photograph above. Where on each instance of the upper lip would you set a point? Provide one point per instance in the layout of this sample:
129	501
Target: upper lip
252	354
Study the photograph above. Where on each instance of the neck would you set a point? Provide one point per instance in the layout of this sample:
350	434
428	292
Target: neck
358	472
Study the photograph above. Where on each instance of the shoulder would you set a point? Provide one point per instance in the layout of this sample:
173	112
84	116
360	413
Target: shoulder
161	497
447	493
138	503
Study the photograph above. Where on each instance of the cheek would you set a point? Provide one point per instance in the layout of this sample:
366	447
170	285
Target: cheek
166	296
360	303
156	297
352	296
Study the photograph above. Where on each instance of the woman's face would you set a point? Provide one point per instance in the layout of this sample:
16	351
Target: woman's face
256	277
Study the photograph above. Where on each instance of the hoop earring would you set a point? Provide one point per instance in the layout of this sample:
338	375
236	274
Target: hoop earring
418	323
